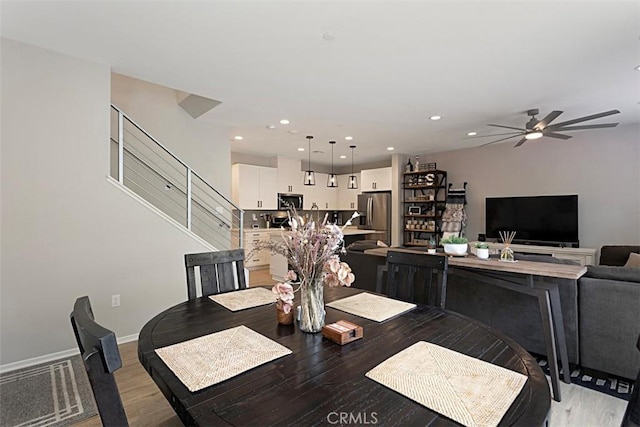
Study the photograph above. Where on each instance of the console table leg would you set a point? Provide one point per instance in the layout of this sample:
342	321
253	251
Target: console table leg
550	342
558	320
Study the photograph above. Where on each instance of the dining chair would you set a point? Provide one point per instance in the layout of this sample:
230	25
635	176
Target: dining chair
220	271
414	277
631	416
101	357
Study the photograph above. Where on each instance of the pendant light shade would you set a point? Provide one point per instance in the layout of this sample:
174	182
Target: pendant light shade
332	179
353	180
309	176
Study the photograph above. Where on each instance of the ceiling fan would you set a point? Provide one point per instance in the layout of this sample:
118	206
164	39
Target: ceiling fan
535	128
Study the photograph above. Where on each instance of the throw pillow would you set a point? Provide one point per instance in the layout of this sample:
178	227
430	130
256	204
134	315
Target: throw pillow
634	260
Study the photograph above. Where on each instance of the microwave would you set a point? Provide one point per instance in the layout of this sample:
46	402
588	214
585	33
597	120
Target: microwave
288	200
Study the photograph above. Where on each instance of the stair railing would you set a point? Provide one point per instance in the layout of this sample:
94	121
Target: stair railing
145	166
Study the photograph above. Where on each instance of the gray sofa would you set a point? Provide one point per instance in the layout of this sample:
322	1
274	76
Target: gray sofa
609	312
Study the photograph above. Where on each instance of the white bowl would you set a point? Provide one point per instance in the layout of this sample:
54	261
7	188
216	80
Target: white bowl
455	248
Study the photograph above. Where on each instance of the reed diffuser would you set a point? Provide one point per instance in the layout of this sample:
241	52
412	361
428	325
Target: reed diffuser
506	254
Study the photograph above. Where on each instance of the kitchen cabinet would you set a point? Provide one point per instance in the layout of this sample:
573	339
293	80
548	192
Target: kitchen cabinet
326	198
290	175
252	238
376	179
254	187
347	198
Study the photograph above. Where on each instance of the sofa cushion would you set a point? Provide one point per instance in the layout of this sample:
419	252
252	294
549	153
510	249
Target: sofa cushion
623	274
633	261
616	254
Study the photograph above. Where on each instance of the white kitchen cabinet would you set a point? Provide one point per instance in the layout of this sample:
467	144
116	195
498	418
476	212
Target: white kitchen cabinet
376	179
254	187
326	198
252	238
347	198
290	175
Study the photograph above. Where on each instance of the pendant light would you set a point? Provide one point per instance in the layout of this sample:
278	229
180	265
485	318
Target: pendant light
353	180
332	179
309	176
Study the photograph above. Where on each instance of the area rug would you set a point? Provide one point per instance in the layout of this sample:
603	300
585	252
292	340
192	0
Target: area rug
50	394
608	384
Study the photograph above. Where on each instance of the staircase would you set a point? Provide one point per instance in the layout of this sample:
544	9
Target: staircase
143	165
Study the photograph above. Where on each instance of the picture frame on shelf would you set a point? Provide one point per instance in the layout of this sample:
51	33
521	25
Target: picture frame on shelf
414	210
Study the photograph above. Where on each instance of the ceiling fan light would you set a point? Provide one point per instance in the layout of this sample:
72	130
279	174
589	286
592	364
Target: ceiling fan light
533	135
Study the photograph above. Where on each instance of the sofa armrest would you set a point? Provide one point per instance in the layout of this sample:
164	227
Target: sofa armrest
609	325
616	254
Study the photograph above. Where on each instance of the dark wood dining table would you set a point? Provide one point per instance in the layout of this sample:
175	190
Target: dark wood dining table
320	381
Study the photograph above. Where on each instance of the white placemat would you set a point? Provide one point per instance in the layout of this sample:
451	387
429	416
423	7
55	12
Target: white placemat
467	390
213	358
372	307
245	298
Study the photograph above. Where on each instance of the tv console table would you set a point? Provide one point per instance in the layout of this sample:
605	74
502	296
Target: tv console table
585	256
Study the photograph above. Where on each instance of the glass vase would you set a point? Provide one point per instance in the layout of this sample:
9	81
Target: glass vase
312	306
506	254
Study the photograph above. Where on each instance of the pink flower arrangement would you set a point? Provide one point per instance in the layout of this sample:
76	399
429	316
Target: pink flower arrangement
312	249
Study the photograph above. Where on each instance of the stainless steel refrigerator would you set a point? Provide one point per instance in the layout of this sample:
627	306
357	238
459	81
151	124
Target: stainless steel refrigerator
375	213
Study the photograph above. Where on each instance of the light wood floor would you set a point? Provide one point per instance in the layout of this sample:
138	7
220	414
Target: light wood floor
146	406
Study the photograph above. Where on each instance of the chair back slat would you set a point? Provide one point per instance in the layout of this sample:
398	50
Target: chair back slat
418	278
101	357
221	271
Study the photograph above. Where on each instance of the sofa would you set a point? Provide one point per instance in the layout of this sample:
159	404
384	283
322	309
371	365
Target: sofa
609	313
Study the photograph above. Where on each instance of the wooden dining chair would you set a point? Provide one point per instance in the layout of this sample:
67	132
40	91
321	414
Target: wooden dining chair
419	278
631	416
221	271
101	357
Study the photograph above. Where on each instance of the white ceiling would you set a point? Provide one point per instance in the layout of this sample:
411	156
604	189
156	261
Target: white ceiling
391	65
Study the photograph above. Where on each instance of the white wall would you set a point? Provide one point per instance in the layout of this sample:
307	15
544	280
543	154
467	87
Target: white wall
601	166
66	231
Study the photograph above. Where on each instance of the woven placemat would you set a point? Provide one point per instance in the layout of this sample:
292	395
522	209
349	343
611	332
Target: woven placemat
467	390
213	358
245	298
372	307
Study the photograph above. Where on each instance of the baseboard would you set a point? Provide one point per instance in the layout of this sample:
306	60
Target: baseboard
53	356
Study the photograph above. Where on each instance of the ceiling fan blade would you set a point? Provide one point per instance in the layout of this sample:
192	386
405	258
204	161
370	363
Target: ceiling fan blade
495	134
584	127
522	141
557	135
498	140
548	119
508	127
585	118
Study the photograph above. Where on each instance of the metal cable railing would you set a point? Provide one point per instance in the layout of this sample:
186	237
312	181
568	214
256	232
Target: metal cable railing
143	165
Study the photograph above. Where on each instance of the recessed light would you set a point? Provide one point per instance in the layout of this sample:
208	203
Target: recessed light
348	138
343	157
637	68
435	117
390	148
284	122
293	132
238	138
328	36
300	149
472	133
271	126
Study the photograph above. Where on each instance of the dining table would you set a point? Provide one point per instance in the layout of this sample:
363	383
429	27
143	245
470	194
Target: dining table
321	382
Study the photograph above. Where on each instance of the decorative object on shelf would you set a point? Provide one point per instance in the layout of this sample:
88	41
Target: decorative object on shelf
431	166
455	245
353	180
506	253
416	167
332	178
409	167
284	303
312	248
309	175
431	246
482	250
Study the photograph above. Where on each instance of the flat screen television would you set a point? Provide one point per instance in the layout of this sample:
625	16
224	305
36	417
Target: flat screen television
537	220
